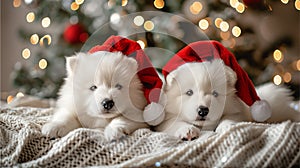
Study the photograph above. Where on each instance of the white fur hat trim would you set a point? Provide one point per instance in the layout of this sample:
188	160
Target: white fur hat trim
260	111
154	114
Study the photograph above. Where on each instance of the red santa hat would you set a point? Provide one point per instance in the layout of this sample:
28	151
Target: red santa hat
153	112
208	50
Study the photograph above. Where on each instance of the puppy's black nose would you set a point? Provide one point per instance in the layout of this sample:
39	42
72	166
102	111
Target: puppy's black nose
202	111
107	104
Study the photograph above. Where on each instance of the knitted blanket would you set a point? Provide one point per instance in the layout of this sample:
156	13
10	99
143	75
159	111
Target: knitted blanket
242	145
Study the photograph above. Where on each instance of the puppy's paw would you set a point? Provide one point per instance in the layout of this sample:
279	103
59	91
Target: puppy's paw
188	132
55	129
113	133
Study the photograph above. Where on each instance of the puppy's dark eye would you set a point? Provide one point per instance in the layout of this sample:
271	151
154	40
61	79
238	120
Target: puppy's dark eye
215	93
92	88
118	86
189	92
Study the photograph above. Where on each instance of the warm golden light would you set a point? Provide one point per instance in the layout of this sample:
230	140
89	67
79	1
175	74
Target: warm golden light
124	2
285	1
111	3
20	94
138	20
74	6
9	99
34	39
233	3
46	22
233	42
30	17
240	7
141	43
149	25
218	22
196	7
225	35
297	4
287	77
203	24
17	3
26	53
298	65
79	2
47	39
43	64
278	56
224	26
236	31
277	80
115	18
159	4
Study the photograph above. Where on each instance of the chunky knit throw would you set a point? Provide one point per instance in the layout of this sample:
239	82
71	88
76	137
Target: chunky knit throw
242	145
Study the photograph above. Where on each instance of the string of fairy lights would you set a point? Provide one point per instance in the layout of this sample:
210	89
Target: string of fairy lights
228	31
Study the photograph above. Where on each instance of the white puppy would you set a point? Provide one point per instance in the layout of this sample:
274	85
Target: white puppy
102	90
202	96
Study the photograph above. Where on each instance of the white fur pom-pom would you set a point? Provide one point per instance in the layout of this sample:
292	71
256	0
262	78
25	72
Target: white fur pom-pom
154	114
261	111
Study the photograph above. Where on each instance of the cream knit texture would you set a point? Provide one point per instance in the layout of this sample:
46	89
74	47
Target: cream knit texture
242	145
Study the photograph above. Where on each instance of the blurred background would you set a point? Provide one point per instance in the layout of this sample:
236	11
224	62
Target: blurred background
36	35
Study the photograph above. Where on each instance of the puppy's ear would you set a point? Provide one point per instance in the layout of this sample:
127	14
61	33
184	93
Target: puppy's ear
71	63
170	78
231	77
132	64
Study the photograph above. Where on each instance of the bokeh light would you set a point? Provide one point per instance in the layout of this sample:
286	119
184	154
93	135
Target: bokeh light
236	31
79	2
28	1
287	77
74	6
159	4
285	1
47	39
9	99
196	7
149	25
46	22
233	3
20	94
111	3
30	17
115	18
26	53
218	22
203	24
224	26
34	39
277	79
277	55
297	4
225	35
240	7
43	64
298	65
138	20
17	3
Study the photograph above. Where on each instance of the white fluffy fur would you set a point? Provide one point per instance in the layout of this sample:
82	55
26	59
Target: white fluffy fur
78	106
154	114
182	119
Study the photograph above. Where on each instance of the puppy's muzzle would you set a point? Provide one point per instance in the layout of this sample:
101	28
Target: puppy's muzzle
202	111
107	104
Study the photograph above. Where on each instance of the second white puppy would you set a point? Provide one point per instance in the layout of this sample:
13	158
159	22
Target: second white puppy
205	96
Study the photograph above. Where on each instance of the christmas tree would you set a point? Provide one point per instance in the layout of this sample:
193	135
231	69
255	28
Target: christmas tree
251	29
